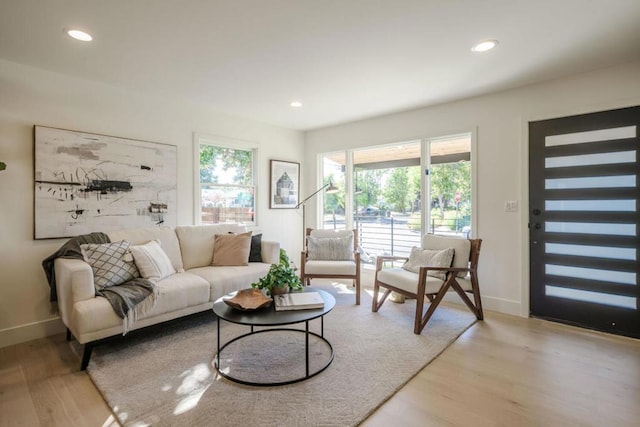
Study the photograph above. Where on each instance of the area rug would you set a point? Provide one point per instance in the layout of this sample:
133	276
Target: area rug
164	375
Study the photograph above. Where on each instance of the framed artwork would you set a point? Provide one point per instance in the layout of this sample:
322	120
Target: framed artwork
284	184
86	182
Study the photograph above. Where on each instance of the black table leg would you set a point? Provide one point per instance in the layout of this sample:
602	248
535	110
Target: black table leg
306	344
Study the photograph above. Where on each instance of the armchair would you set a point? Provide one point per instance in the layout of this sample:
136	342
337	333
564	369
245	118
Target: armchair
331	254
460	276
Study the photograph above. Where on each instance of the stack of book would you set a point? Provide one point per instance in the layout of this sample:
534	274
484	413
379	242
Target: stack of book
299	301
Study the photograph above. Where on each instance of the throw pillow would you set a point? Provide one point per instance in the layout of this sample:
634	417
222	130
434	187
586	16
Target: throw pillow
152	261
429	258
231	249
255	255
109	263
330	248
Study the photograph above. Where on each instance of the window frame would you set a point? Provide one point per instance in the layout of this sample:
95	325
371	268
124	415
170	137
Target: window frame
224	142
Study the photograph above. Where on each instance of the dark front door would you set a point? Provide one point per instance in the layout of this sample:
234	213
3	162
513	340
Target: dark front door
584	181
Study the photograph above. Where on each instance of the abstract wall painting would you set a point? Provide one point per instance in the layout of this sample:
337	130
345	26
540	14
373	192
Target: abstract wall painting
86	182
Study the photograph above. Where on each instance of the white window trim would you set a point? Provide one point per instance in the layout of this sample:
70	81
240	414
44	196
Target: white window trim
223	141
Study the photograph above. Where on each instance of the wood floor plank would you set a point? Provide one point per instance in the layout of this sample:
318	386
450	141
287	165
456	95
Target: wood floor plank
16	406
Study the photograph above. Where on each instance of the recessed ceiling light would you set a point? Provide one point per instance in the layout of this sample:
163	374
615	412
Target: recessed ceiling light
296	104
484	46
80	35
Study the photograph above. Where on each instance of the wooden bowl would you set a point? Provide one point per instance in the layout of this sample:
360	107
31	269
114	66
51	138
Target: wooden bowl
248	299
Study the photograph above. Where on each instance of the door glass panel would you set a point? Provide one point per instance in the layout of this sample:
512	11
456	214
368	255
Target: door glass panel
591	205
626	181
591	251
591	274
591	136
450	188
387	199
594	297
590	228
591	159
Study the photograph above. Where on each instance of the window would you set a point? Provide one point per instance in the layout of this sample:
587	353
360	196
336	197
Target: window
394	193
225	183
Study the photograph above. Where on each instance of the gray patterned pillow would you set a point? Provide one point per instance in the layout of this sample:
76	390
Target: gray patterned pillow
110	263
330	248
429	258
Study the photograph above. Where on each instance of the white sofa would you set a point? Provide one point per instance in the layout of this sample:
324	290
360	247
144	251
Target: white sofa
194	288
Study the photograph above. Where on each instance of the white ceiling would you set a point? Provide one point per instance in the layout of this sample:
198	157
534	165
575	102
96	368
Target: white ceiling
344	59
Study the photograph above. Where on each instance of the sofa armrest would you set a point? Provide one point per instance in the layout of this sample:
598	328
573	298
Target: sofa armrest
74	282
270	252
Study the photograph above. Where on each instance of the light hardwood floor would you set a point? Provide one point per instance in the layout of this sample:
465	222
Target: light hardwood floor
505	371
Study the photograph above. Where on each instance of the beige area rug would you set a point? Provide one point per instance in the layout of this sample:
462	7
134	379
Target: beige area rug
164	375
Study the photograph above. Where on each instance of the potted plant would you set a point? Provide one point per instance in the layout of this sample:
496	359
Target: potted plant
281	277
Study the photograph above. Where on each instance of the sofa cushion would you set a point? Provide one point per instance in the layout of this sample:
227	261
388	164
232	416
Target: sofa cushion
462	248
197	241
165	235
256	248
152	262
429	258
175	292
231	249
109	262
228	279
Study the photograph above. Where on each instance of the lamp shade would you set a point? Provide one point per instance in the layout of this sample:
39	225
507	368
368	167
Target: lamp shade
331	188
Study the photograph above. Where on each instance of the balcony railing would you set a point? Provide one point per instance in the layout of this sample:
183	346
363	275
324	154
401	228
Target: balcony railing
395	235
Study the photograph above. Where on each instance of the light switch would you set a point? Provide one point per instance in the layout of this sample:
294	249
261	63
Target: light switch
511	206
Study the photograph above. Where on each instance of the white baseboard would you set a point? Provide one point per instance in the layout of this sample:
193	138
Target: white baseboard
490	303
31	331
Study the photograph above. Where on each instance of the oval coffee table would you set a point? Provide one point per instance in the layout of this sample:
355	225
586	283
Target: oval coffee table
269	317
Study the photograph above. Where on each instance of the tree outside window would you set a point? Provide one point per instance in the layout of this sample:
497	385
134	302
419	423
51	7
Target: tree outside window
227	190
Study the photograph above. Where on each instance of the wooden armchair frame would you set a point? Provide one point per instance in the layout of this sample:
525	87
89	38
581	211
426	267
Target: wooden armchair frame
435	298
306	277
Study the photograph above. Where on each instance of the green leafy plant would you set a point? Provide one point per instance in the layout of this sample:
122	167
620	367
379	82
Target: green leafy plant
280	275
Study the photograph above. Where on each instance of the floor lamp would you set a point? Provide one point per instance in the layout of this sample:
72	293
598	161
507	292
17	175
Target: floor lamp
330	189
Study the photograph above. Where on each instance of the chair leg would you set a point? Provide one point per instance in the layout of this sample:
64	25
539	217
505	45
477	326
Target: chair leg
417	328
377	304
432	307
356	282
376	290
476	296
463	295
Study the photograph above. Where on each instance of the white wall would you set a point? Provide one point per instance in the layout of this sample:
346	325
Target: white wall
30	96
502	156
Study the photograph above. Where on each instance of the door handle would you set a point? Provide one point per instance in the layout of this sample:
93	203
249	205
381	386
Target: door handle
536	225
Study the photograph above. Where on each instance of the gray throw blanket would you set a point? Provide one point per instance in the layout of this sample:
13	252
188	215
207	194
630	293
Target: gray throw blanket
124	298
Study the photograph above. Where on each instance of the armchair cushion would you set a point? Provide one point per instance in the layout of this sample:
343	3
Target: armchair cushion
408	281
339	268
429	258
330	248
462	249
